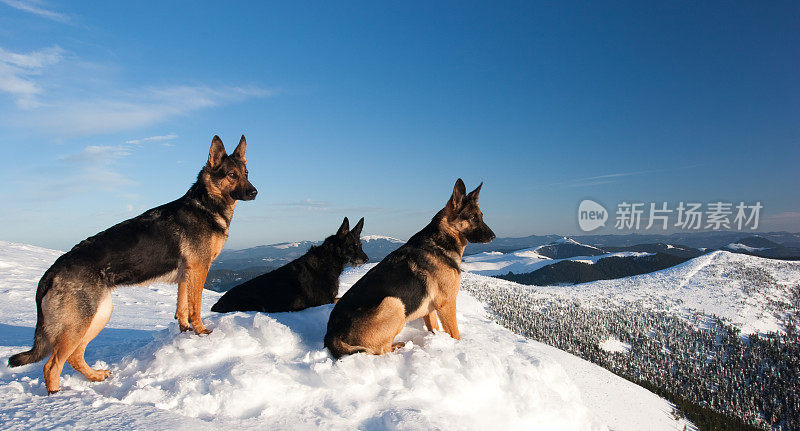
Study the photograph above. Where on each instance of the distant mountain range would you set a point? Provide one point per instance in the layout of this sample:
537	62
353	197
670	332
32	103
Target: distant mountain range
763	247
674	250
607	268
609	262
711	240
528	254
563	248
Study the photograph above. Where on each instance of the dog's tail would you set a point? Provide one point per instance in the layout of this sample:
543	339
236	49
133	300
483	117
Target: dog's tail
339	348
41	345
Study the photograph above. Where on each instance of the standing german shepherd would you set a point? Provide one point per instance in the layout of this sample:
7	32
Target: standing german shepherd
174	243
308	281
420	279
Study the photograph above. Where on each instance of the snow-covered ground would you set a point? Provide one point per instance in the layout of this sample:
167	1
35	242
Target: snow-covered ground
742	247
612	344
261	370
523	261
746	291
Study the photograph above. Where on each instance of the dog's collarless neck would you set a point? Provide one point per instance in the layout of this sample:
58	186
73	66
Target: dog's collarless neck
325	257
220	211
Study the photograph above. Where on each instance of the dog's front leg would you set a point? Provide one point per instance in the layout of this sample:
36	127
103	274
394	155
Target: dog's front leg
197	279
447	314
431	321
182	310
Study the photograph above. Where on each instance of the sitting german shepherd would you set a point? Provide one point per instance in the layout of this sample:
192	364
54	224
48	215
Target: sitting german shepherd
420	279
308	281
174	243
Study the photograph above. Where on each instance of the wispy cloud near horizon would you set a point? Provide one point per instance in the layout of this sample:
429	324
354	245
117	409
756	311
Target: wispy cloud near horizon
306	204
67	102
159	138
92	168
37	8
609	178
128	110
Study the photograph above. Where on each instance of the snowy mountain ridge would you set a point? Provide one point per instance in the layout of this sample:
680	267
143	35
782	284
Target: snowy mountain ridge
746	291
368	238
522	261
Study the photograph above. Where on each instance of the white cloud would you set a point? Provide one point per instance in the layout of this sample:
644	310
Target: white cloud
36	59
608	178
36	8
132	109
17	72
93	167
77	104
97	154
306	204
158	138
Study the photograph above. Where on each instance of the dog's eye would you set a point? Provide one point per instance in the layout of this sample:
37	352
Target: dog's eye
232	174
246	172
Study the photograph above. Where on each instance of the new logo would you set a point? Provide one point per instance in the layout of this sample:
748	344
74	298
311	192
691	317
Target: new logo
591	215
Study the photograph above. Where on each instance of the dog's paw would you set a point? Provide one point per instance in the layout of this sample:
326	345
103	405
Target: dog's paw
202	331
184	327
98	375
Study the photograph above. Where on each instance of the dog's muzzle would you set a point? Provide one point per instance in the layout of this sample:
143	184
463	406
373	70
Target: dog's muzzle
482	236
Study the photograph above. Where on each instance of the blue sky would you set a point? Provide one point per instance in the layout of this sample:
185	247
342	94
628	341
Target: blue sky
374	109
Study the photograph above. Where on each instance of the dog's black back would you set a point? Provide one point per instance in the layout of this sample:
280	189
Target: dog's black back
308	281
145	247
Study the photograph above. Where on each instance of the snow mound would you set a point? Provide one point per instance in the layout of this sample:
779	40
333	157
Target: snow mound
272	370
566	240
351	275
742	247
524	261
494	263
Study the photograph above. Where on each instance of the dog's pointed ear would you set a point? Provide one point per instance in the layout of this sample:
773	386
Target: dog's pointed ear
216	153
473	195
241	150
344	228
357	229
457	198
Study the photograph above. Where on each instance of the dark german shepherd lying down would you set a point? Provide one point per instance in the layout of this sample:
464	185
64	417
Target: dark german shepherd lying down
420	279
175	243
308	281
